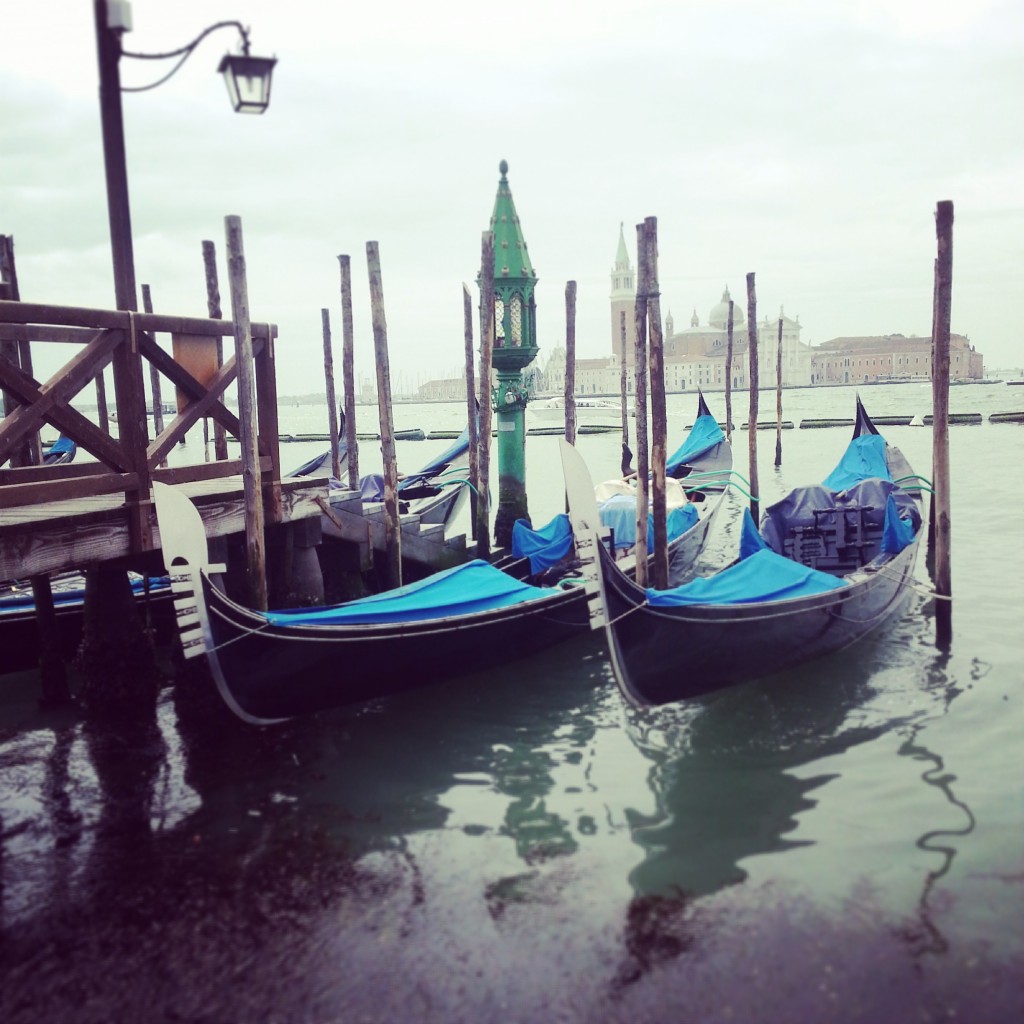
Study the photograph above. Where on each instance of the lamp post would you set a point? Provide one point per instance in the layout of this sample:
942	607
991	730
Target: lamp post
248	81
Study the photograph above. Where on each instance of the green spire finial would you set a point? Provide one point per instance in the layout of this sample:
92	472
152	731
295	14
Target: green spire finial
503	168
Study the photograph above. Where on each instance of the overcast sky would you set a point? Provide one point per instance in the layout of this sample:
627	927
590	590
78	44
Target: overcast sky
805	141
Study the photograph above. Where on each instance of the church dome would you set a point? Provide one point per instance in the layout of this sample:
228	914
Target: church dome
719	315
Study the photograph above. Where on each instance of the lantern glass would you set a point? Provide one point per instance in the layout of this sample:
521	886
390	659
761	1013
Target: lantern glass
248	81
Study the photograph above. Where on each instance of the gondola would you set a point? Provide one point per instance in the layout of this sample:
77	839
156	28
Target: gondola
270	666
830	563
699	470
436	493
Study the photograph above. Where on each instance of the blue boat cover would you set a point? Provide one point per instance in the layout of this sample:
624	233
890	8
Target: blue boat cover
544	547
473	587
371	487
751	540
61	445
764	576
458	447
864	458
703	436
619	513
897	533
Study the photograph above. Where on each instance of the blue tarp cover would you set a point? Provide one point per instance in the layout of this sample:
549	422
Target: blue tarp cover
703	436
544	547
61	445
897	533
764	576
474	587
864	457
371	487
751	540
458	447
619	513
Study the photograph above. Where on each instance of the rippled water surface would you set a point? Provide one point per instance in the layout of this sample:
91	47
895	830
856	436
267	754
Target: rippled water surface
841	842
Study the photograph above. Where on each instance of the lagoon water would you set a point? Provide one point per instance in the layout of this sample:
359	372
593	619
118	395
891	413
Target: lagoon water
842	842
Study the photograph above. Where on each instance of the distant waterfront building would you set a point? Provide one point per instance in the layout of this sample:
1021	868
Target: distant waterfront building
623	300
891	357
451	389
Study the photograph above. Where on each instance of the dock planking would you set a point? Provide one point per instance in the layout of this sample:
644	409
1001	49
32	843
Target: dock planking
64	535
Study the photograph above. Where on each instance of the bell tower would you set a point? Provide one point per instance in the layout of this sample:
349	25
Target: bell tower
623	300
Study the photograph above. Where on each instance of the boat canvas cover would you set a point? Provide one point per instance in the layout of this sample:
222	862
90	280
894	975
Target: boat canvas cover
751	540
764	576
473	587
864	458
704	435
459	446
546	546
897	532
619	513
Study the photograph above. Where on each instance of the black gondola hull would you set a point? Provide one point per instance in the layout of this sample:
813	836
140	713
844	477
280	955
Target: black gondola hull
271	673
665	654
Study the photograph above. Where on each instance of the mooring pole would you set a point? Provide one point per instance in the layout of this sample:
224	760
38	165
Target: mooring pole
348	372
778	400
220	435
627	456
755	492
659	453
728	376
332	401
640	371
154	377
251	474
472	429
570	362
940	422
483	529
392	522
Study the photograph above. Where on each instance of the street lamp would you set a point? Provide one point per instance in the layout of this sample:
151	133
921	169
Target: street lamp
248	82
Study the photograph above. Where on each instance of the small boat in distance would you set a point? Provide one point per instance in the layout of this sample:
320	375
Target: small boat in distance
831	562
591	411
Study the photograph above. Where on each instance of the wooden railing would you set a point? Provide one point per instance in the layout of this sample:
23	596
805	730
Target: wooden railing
132	460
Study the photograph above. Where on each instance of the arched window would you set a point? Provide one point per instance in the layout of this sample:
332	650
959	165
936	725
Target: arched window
517	319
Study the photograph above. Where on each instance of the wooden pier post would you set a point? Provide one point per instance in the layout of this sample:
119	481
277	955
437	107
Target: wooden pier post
19	353
941	319
332	400
392	523
627	455
570	362
755	493
220	437
483	512
778	399
348	376
154	377
640	372
255	541
728	375
659	453
472	430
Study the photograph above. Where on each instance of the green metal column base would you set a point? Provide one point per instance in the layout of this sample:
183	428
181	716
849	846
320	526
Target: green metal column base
510	407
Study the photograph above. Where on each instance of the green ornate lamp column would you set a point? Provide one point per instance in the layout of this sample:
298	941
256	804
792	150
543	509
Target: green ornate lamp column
515	347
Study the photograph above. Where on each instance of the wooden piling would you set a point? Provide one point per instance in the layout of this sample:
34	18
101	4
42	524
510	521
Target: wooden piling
30	452
778	400
213	308
348	378
392	523
752	415
332	401
941	318
251	478
483	530
570	362
471	406
728	375
659	453
627	456
52	673
154	377
640	373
